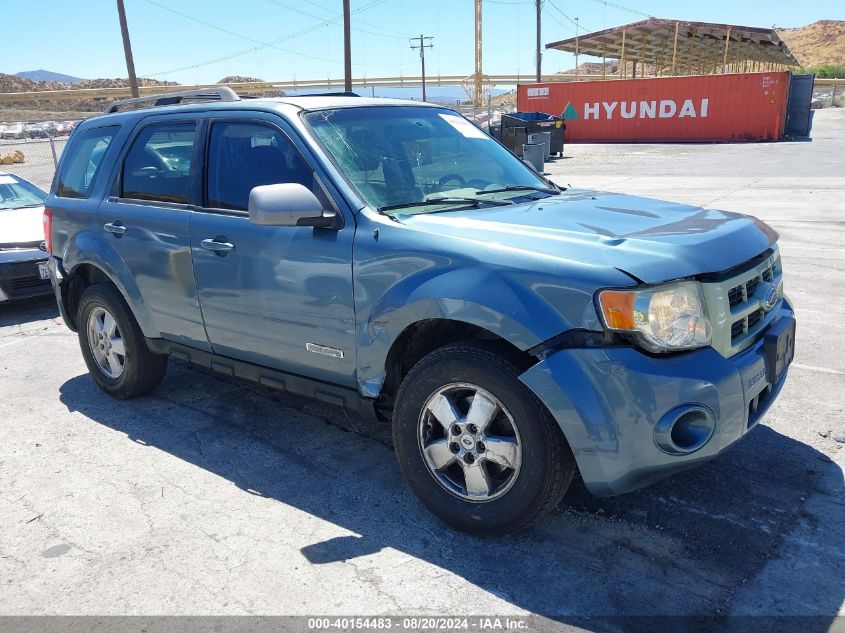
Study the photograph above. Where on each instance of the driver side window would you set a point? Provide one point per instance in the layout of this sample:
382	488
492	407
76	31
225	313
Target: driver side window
158	164
242	156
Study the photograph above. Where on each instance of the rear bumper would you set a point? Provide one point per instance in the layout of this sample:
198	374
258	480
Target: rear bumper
608	402
19	276
59	280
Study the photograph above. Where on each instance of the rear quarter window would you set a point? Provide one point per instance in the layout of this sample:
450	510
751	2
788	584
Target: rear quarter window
82	161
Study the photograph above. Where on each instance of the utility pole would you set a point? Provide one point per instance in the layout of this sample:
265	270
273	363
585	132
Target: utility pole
422	46
127	49
576	49
478	77
539	7
347	48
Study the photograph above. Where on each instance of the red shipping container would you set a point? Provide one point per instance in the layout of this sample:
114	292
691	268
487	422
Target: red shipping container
732	107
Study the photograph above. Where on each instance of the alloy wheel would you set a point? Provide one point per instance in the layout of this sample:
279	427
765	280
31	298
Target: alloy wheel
106	343
470	442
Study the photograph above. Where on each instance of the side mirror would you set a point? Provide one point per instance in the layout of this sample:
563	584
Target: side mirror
287	204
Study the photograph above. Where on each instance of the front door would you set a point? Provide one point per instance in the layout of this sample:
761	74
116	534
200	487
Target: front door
274	296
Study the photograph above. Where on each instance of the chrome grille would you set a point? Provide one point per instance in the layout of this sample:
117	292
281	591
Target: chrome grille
736	296
736	304
751	286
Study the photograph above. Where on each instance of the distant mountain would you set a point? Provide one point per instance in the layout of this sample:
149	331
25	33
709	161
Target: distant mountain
46	75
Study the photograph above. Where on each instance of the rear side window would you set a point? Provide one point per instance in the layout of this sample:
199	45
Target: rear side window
245	155
158	165
82	161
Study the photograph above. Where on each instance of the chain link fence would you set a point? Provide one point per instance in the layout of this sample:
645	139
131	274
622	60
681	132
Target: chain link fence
829	96
32	150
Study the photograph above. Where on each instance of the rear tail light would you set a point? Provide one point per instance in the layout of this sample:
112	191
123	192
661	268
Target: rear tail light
48	230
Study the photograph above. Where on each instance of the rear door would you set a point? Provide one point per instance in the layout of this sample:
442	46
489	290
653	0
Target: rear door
280	297
798	111
147	218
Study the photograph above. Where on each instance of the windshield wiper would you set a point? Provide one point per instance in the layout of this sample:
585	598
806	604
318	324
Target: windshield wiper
439	201
547	190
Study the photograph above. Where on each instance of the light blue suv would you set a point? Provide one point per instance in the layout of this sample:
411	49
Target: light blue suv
391	258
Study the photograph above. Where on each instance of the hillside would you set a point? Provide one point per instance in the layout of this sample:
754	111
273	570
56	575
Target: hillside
15	83
611	67
51	109
821	42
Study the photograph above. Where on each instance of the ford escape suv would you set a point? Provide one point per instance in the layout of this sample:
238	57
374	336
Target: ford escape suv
390	257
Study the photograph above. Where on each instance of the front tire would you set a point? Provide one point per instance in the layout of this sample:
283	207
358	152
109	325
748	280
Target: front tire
113	346
475	445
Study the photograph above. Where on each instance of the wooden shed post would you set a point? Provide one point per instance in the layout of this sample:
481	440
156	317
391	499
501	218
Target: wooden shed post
727	46
603	63
675	49
623	72
642	53
689	52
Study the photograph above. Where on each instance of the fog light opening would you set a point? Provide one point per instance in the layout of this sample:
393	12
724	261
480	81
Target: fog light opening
685	429
691	431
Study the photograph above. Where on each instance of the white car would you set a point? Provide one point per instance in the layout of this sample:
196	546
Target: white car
23	265
13	130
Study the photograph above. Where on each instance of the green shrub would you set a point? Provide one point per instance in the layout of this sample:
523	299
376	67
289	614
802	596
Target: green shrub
825	71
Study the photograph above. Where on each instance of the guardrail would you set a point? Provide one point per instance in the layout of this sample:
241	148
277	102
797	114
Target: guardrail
7	98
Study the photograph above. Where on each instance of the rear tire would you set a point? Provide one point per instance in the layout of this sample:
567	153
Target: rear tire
475	445
113	346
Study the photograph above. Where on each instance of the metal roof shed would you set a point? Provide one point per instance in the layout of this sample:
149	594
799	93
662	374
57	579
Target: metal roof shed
680	47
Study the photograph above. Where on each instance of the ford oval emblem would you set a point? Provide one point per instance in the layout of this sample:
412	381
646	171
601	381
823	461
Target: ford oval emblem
771	298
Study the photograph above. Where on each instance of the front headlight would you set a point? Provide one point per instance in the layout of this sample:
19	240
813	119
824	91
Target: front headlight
661	319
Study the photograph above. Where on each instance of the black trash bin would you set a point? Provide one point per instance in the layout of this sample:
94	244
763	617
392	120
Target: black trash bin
528	123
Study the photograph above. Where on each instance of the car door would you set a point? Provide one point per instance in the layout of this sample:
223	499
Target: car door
280	297
148	219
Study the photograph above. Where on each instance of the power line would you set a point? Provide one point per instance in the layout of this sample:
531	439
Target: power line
238	35
336	20
262	45
360	21
573	20
622	8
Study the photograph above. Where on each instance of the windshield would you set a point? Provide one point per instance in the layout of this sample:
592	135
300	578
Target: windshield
16	193
406	157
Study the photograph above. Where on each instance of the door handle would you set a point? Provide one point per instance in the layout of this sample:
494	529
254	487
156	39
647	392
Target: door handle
217	245
115	227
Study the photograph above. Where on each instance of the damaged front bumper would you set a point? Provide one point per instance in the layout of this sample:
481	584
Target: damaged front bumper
633	418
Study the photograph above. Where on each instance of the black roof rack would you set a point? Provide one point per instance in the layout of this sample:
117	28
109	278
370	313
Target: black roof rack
222	93
326	94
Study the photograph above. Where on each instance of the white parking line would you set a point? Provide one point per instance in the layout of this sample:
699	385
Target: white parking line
823	370
16	340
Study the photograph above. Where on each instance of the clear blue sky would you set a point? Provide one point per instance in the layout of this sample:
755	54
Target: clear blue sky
307	36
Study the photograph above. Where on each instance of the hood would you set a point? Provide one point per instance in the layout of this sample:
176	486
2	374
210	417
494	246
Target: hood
651	240
21	226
